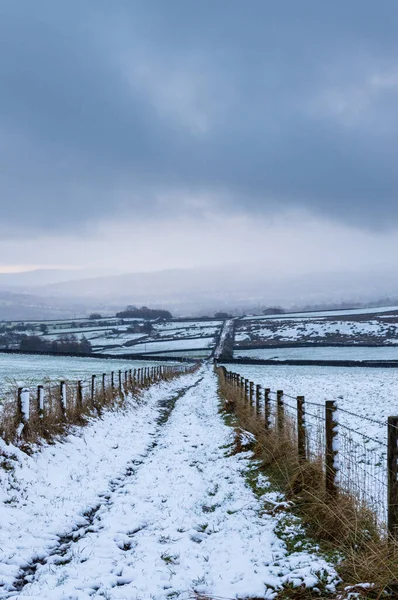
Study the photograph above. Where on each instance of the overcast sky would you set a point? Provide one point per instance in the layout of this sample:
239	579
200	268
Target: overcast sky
142	135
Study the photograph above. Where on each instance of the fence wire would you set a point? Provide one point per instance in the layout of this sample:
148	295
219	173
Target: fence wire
361	458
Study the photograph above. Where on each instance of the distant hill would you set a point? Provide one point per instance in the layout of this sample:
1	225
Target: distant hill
26	280
196	291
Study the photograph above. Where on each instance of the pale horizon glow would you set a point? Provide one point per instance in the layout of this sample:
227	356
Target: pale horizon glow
295	242
25	268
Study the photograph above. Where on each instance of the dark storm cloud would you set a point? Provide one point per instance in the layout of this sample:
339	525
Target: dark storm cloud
261	106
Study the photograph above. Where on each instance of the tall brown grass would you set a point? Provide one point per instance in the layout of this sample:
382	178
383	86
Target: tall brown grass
340	525
55	421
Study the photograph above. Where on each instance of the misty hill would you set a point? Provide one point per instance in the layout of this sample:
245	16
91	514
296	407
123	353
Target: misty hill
26	280
205	289
194	291
21	307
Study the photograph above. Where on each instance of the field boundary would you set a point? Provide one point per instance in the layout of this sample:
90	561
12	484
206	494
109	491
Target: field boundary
344	493
320	432
50	407
130	357
317	344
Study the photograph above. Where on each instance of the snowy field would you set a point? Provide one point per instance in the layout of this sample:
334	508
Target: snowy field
359	353
33	369
194	354
106	524
372	331
173	345
367	392
122	334
328	313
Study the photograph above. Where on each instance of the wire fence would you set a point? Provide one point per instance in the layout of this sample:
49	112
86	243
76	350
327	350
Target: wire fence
29	413
353	462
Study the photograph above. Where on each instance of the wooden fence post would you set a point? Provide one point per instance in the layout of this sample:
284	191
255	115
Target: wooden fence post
92	389
267	412
79	397
301	431
40	401
258	396
392	458
251	392
113	382
280	410
62	398
120	382
246	390
103	387
23	410
331	450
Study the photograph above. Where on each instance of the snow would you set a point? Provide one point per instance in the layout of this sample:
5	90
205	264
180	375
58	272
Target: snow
136	507
194	354
327	313
369	395
191	329
150	347
368	392
25	403
32	369
226	331
297	330
359	353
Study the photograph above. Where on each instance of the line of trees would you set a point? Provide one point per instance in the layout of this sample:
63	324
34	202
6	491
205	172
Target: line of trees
67	343
132	312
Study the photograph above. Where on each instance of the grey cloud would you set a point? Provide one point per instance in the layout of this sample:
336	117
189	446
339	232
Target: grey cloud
263	105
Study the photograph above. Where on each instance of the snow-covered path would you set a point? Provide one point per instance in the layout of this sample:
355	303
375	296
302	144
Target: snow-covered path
178	520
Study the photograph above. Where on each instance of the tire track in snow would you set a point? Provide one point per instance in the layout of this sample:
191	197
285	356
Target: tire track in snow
185	524
88	518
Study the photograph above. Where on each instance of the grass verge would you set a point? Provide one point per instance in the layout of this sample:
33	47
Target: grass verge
345	532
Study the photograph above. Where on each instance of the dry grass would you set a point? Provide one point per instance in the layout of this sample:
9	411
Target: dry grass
339	525
55	420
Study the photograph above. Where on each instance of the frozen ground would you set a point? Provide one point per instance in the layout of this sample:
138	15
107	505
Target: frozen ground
329	313
310	330
174	345
368	392
171	335
33	369
359	353
144	504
